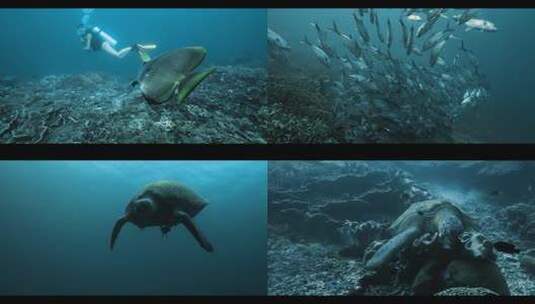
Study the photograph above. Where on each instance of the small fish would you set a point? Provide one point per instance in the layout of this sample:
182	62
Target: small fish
361	28
389	37
414	17
354	48
480	24
506	247
410	41
432	40
321	55
435	52
464	17
322	35
426	26
337	32
373	16
404	33
379	33
277	40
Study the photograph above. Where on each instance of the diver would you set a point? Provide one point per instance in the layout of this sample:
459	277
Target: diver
94	39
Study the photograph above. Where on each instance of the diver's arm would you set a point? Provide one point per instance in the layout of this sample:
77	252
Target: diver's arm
118	54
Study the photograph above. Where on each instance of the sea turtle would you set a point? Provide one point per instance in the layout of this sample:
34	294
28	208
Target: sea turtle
451	252
164	204
170	77
439	219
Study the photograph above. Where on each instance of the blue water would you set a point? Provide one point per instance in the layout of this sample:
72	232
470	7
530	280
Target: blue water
37	42
505	57
56	218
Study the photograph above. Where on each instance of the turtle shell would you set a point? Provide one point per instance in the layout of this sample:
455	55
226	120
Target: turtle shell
421	213
173	196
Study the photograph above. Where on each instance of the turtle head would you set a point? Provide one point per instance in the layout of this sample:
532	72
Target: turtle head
449	228
139	212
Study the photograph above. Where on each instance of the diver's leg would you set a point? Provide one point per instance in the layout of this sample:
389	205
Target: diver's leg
119	54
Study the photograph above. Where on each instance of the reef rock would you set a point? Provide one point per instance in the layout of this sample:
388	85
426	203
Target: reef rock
467	291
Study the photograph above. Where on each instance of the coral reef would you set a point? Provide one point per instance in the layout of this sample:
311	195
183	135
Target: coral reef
297	111
466	291
99	108
323	215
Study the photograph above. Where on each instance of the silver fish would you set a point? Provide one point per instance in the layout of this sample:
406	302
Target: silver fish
337	32
404	33
432	40
410	41
361	28
426	26
389	36
379	33
435	52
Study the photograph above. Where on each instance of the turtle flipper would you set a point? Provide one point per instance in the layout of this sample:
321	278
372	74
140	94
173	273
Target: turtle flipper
165	230
185	219
188	84
116	229
386	252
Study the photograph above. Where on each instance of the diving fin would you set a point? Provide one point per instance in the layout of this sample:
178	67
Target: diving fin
142	51
186	220
143	56
188	84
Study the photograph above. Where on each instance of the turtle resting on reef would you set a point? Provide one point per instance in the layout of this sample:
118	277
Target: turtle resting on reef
170	76
164	204
442	249
438	218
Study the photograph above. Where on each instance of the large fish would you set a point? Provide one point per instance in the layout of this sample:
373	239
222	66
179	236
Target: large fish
170	76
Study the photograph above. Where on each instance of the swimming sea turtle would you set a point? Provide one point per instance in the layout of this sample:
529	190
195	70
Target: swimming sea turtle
164	204
170	77
440	219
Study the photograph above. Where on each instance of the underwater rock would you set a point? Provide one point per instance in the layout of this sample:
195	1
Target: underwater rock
527	261
467	291
69	109
520	218
475	273
307	269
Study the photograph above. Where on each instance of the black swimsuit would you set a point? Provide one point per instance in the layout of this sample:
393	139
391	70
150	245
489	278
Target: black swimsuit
96	42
